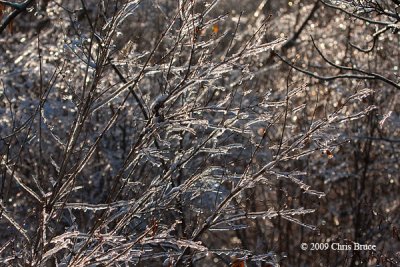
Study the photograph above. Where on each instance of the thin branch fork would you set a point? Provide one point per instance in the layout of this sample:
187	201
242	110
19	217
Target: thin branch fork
363	74
18	8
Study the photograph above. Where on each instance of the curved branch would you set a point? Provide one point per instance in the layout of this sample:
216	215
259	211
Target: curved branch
18	8
364	50
366	73
13	5
365	76
375	37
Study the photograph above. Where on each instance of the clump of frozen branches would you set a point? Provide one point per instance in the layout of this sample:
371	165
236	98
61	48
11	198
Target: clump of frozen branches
140	136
